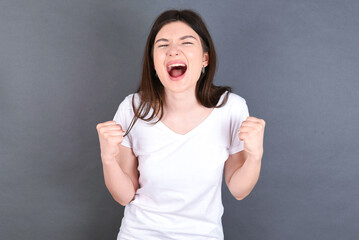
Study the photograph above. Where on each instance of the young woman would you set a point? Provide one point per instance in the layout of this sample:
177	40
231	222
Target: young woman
181	132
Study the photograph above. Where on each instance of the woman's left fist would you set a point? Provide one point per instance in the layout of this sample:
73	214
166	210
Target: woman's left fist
252	133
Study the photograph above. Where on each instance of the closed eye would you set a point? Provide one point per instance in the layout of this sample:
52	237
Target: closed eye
164	45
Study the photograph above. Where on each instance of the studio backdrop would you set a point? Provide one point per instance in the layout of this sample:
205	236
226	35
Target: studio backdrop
65	66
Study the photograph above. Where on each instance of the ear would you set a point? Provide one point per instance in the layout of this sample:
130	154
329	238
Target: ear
205	59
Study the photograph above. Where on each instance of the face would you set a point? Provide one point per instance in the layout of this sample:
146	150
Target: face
178	57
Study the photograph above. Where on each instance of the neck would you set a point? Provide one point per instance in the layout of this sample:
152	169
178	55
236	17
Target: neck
181	103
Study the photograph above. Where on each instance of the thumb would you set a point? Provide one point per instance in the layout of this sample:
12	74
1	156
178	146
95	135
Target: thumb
119	126
123	131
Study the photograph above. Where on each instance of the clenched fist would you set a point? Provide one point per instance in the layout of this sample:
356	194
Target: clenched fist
252	133
111	136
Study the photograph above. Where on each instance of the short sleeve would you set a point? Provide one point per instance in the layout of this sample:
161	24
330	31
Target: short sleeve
123	116
238	114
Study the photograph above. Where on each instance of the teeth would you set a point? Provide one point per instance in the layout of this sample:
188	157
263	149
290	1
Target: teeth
175	65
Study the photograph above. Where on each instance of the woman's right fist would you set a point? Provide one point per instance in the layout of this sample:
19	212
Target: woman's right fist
111	136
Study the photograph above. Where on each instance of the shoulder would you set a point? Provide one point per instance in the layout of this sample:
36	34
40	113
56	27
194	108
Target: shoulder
236	99
233	101
126	104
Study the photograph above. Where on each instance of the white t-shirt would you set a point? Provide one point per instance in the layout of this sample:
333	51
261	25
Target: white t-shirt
179	194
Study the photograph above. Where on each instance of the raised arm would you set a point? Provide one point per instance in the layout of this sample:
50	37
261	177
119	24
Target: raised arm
119	163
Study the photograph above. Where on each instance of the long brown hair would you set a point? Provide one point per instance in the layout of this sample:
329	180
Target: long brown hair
151	90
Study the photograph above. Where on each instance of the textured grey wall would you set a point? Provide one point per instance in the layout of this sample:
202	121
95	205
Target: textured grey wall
66	65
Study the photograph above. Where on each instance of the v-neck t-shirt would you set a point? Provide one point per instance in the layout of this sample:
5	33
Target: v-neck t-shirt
180	175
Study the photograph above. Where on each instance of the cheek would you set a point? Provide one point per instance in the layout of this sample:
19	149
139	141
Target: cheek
158	60
196	60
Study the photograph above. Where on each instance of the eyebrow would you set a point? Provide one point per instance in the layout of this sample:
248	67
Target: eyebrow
181	38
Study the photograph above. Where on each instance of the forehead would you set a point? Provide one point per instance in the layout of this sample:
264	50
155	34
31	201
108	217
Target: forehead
175	30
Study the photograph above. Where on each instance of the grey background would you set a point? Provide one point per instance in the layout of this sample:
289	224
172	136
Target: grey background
66	65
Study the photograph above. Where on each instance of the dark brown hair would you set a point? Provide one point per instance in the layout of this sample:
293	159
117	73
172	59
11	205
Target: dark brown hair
151	90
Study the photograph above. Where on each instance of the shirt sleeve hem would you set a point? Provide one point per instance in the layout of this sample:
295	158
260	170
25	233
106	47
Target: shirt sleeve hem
126	144
235	149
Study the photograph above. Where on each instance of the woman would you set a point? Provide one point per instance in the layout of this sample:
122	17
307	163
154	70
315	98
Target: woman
181	132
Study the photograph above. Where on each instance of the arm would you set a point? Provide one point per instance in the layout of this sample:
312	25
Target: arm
119	162
243	168
242	173
121	175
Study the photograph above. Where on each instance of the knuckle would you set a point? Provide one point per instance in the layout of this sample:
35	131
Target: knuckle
102	130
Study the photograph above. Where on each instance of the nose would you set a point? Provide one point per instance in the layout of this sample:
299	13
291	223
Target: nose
173	50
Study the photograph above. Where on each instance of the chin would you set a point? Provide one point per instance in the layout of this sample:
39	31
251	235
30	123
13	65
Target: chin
180	89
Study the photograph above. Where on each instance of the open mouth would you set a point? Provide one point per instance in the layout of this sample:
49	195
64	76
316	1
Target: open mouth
177	70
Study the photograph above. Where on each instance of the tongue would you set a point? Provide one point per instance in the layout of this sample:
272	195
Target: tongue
176	72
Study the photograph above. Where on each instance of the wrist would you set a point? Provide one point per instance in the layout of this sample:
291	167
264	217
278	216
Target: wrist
108	159
255	156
